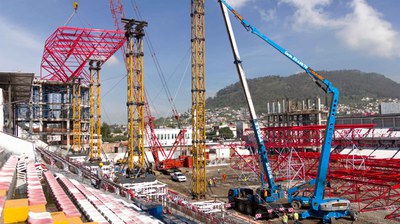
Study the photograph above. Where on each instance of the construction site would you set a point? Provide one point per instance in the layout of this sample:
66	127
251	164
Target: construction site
301	164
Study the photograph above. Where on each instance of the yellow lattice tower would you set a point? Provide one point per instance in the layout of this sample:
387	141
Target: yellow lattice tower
135	82
95	112
98	112
91	111
199	182
76	115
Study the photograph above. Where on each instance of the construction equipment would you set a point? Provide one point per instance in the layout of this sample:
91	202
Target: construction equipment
297	197
325	208
198	58
118	13
245	199
169	162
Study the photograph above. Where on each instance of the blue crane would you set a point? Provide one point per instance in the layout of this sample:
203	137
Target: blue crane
325	208
243	198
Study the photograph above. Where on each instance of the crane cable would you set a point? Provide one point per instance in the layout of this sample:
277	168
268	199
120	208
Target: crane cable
156	62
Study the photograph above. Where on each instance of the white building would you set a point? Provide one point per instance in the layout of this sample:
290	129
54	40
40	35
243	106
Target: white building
167	136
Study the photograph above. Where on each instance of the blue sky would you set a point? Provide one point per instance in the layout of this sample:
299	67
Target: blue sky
324	34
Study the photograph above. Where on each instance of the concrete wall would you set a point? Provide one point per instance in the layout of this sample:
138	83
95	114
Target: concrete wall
17	146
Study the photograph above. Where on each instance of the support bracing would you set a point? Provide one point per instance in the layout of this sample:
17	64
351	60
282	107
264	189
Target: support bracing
135	84
198	99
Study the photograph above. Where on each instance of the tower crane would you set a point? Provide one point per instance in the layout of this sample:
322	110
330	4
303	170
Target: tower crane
320	207
118	13
198	98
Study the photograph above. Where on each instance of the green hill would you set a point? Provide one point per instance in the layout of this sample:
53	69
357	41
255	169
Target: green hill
353	86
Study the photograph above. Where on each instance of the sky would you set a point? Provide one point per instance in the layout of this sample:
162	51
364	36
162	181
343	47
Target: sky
324	34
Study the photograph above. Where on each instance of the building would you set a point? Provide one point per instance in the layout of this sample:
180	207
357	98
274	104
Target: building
168	136
286	112
48	116
381	121
15	90
389	108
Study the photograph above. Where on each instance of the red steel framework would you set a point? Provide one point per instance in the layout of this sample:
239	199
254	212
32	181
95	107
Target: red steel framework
371	183
68	50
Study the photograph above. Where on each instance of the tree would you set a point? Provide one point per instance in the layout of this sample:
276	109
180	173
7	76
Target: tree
117	131
105	130
210	135
226	133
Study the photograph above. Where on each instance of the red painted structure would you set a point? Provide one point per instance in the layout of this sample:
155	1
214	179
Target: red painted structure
68	49
371	183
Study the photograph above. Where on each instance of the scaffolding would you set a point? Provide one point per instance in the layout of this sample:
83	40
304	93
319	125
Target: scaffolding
135	93
59	110
49	115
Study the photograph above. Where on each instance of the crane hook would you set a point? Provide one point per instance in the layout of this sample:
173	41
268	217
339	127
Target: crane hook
75	5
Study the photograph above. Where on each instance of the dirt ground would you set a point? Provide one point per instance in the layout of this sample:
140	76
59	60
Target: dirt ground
236	178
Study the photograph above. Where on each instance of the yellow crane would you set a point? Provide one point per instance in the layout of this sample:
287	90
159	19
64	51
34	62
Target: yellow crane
135	82
95	115
198	58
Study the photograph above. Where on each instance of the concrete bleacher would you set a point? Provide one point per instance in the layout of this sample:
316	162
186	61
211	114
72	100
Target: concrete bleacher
36	196
88	209
112	209
62	200
7	179
35	191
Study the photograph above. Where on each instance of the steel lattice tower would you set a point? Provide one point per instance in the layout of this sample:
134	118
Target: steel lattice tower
135	83
76	114
198	99
95	115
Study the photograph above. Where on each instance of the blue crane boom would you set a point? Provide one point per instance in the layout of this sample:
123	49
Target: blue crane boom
320	207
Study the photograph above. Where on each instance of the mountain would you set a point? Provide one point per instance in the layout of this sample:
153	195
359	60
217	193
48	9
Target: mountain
353	85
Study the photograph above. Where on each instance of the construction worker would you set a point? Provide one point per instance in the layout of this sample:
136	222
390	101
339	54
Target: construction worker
265	194
100	175
285	218
296	217
210	183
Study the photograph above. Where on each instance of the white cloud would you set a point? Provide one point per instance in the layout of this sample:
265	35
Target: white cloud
363	29
113	60
14	35
237	3
310	12
15	40
266	15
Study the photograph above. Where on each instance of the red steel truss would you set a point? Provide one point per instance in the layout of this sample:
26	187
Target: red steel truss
371	183
68	49
284	144
312	135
